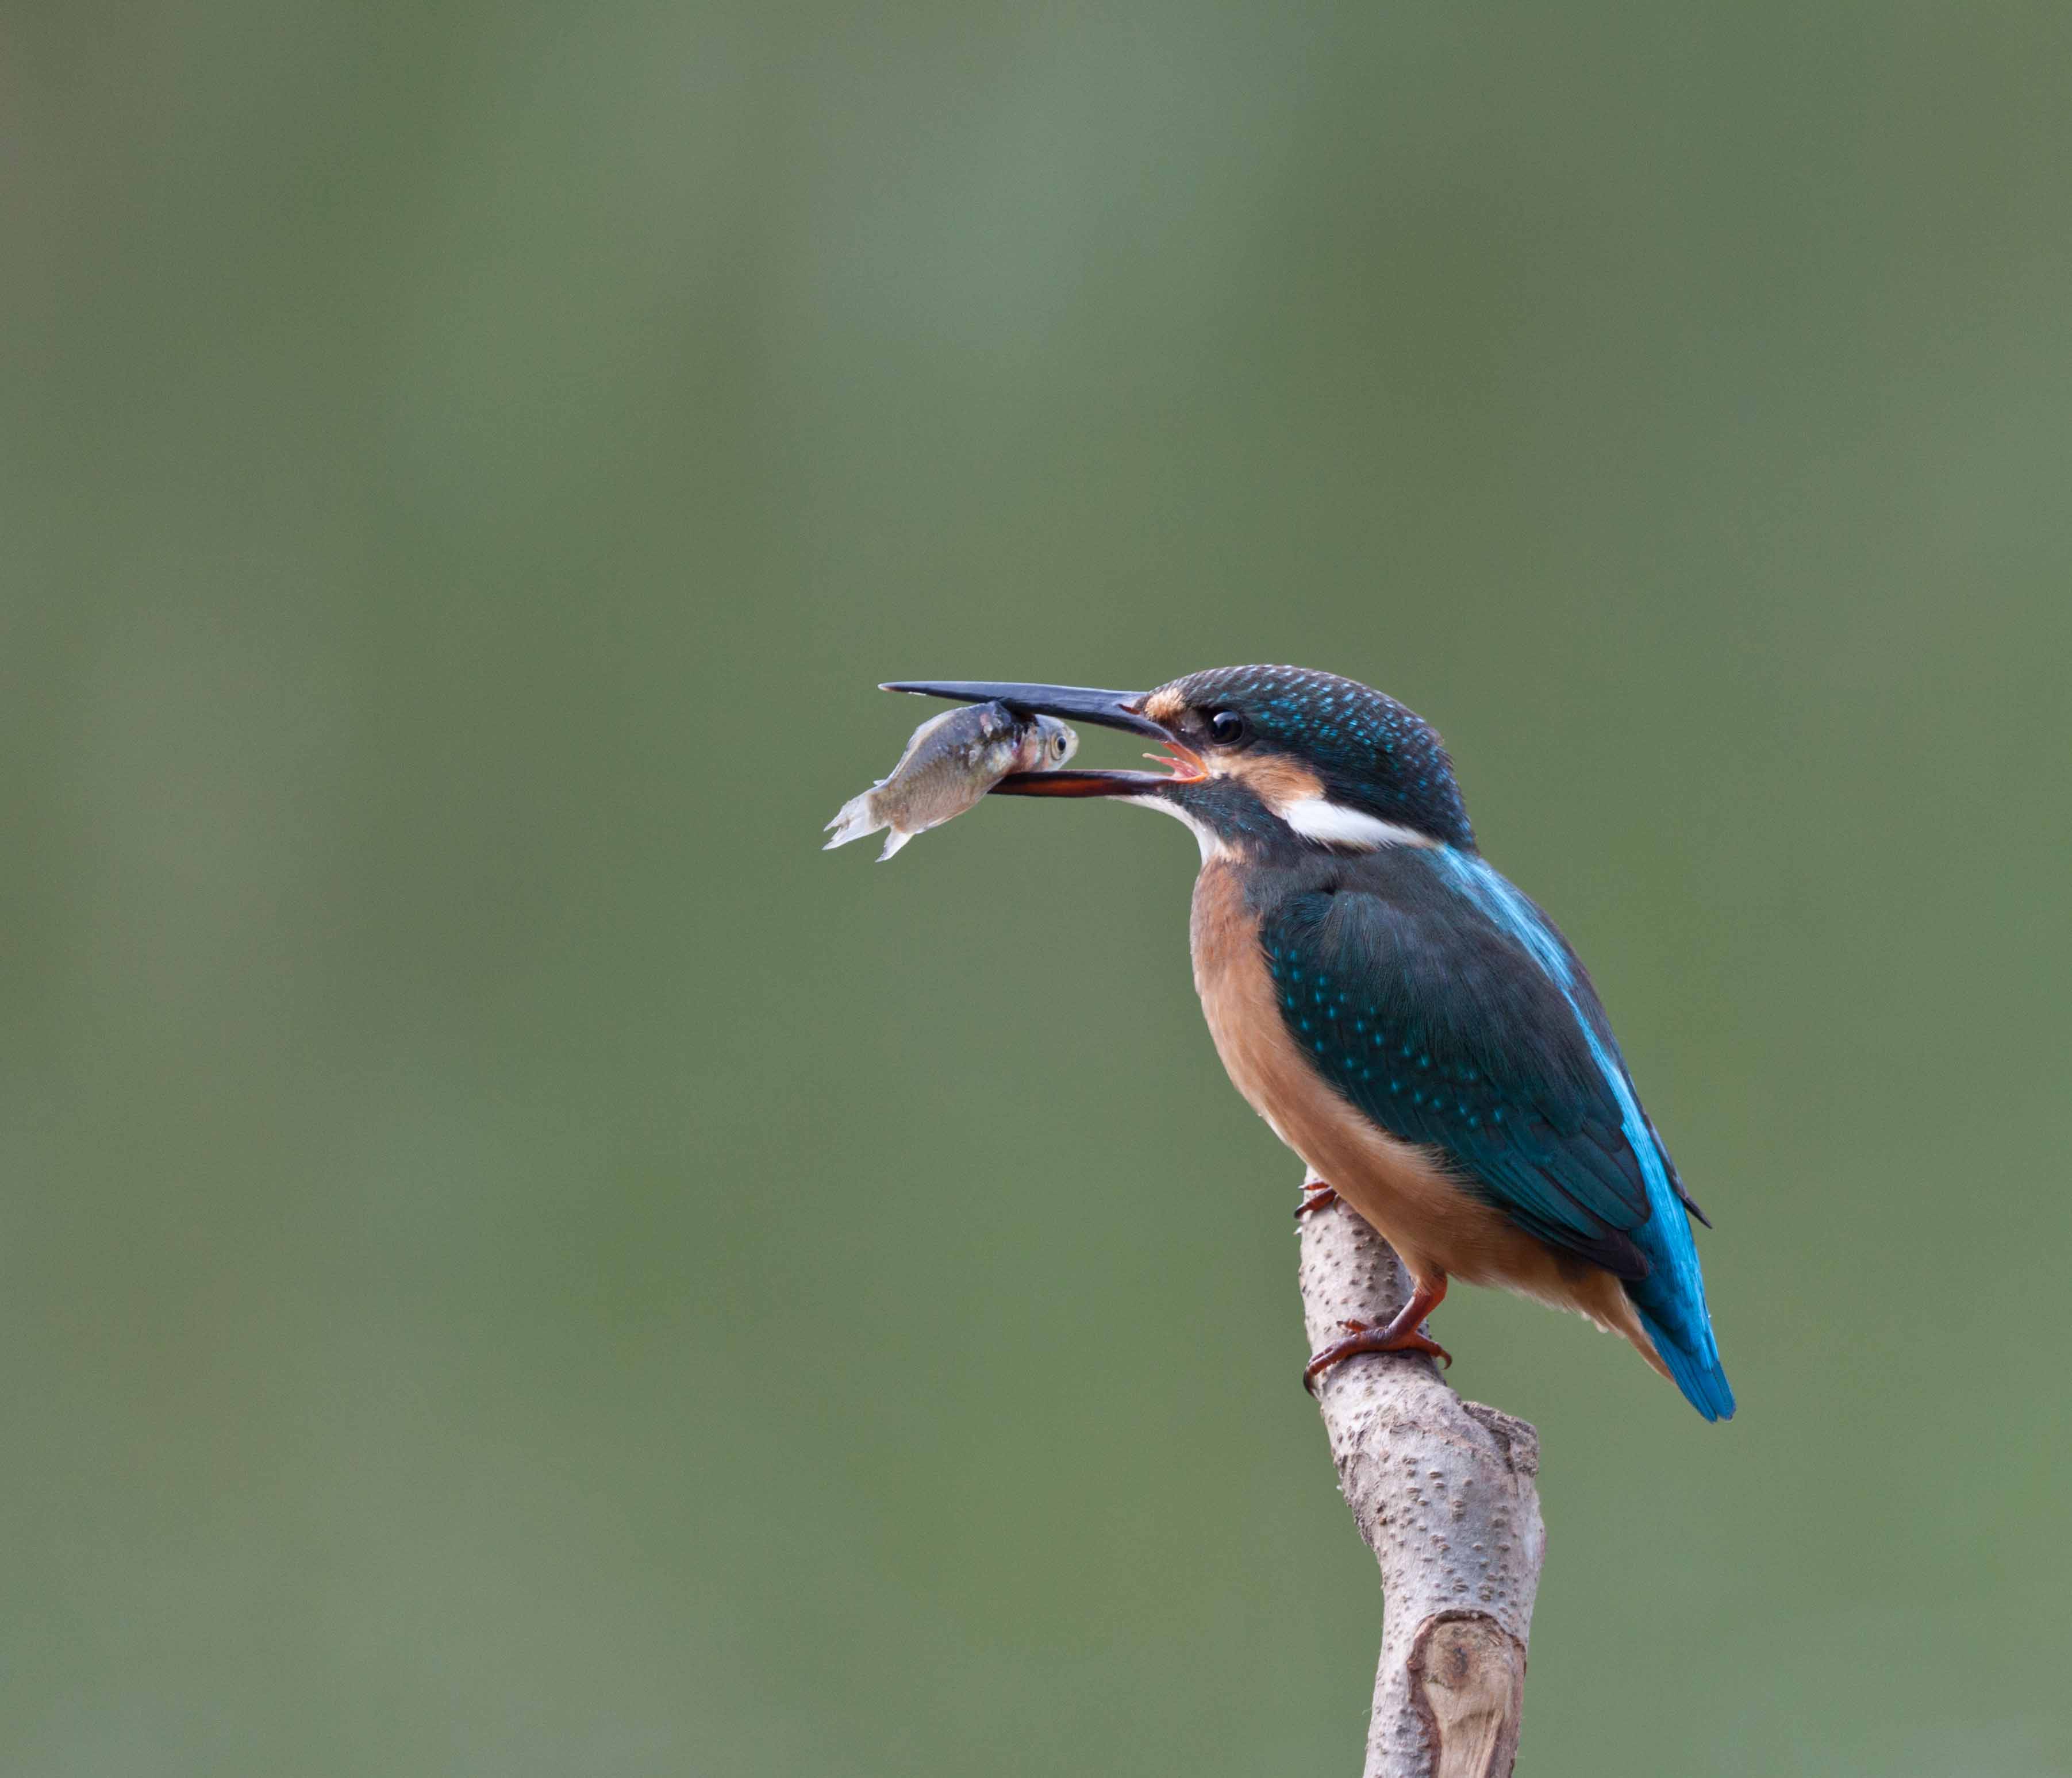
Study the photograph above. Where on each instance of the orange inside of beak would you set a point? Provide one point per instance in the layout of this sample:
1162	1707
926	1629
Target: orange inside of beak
1186	764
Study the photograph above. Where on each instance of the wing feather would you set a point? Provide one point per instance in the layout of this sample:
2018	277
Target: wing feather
1445	1030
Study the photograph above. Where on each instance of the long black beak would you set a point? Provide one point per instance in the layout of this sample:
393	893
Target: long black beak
1110	709
1122	710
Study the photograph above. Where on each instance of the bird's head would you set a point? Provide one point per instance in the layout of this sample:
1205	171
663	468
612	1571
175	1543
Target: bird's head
1258	756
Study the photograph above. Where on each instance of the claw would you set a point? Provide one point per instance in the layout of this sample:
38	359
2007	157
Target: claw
1401	1335
1320	1196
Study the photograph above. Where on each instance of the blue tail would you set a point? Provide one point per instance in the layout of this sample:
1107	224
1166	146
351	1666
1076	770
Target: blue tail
1682	1331
1671	1298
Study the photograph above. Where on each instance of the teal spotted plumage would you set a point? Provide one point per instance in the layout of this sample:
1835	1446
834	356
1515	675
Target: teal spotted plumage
1439	1000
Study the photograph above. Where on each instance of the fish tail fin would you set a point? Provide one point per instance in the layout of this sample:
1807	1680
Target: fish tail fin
893	843
853	820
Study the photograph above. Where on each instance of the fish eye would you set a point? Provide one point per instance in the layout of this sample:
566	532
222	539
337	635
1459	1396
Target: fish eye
1226	727
1058	745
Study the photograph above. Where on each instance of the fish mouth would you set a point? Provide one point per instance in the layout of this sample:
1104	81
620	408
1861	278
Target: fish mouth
1123	710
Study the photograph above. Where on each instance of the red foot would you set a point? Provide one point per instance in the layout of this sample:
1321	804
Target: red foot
1401	1335
1320	1195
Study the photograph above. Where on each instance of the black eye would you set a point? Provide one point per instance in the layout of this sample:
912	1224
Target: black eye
1226	727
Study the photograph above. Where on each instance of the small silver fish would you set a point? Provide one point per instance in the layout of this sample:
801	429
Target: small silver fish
951	761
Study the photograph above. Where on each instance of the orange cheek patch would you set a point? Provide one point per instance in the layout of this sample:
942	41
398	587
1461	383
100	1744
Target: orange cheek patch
1275	781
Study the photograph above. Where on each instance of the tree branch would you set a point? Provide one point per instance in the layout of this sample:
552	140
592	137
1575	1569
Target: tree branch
1442	1491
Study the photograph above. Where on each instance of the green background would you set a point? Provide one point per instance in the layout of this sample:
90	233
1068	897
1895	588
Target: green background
511	1261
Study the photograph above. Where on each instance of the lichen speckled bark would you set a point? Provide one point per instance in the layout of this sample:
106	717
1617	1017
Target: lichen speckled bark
1442	1491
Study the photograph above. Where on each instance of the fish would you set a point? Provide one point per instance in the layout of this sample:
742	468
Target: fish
950	761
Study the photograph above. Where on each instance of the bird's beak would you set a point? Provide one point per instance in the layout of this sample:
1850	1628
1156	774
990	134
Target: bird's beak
1080	704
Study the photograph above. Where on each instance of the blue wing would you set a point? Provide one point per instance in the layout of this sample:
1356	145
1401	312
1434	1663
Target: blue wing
1443	1004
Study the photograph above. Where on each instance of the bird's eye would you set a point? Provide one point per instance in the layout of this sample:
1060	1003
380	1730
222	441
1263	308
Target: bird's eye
1226	727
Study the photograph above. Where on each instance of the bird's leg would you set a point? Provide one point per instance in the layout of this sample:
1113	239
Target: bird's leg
1320	1195
1401	1335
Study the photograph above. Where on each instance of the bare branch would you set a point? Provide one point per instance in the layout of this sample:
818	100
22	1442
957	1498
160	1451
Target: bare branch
1442	1491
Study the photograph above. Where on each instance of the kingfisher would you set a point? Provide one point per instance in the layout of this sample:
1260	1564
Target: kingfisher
1408	1021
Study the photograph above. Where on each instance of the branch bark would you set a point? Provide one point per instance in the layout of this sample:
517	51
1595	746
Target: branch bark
1442	1491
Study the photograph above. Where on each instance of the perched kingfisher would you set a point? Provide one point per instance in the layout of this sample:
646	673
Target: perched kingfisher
1408	1023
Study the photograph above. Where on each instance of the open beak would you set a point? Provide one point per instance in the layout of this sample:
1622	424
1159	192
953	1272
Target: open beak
1122	710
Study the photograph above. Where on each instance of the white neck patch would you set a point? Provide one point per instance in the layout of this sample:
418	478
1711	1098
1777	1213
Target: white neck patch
1317	818
1210	841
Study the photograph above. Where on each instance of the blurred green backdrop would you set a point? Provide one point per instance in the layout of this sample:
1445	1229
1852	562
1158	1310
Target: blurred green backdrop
516	1263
